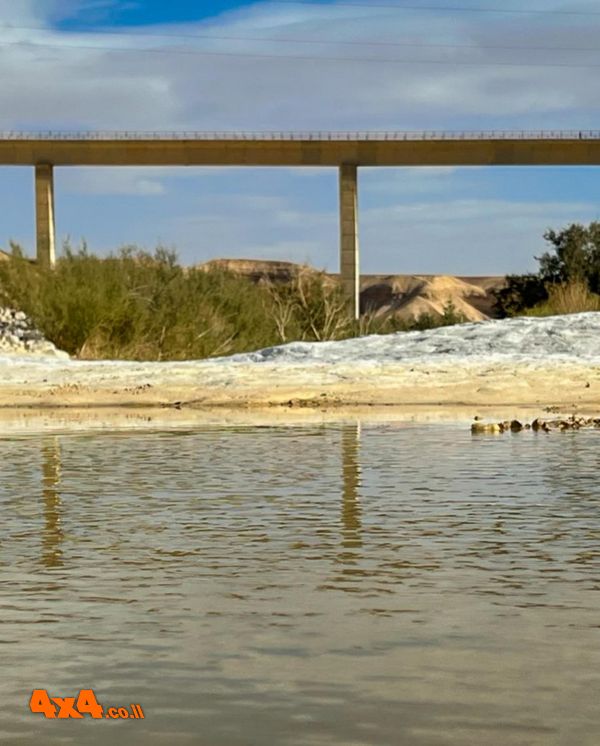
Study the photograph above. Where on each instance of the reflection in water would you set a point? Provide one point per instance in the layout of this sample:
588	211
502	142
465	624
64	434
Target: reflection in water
384	585
52	535
351	512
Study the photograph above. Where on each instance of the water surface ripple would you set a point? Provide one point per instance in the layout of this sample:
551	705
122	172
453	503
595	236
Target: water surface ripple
327	585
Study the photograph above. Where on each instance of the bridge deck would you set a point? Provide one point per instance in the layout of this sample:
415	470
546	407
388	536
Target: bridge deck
301	149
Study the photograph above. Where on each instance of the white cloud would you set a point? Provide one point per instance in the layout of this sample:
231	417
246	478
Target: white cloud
123	181
82	80
255	226
409	182
463	236
71	84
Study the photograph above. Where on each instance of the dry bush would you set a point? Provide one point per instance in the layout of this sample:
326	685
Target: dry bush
569	297
309	308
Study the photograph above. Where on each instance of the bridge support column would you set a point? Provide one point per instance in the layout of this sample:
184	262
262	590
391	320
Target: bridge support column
349	260
44	214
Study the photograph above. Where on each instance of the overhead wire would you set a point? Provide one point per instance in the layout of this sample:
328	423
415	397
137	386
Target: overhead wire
318	58
440	8
341	42
296	40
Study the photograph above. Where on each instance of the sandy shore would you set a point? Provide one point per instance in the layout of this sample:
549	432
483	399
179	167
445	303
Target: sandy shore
207	385
498	366
15	422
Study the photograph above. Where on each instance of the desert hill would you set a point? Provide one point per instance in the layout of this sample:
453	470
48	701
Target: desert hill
411	296
404	296
258	269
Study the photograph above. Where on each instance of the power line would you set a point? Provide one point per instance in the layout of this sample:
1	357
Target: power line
333	42
438	8
319	58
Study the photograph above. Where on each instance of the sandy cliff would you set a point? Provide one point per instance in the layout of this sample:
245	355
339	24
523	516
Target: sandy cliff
404	296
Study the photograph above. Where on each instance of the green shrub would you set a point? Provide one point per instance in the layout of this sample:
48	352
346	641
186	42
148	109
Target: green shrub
575	256
518	293
137	305
141	306
573	262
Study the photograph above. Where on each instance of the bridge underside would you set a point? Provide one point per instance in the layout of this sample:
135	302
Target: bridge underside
346	153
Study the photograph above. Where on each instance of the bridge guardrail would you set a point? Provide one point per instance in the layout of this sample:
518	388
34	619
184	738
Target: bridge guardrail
320	136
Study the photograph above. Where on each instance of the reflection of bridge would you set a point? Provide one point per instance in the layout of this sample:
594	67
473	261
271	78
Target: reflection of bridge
351	481
52	535
343	150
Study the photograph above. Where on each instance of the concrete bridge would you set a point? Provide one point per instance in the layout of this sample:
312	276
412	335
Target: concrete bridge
346	151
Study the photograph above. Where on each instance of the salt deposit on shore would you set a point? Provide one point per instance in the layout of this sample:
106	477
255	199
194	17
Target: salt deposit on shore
516	362
574	337
18	336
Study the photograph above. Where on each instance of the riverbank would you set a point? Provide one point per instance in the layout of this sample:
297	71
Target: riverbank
207	385
525	362
17	422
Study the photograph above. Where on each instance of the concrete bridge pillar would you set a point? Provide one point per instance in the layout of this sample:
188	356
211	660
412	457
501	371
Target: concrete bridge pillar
44	214
349	260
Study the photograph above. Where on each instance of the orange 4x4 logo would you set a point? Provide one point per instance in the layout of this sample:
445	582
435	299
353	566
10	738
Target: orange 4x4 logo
85	704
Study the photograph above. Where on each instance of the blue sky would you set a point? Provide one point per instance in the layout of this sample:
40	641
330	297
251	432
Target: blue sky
149	65
144	13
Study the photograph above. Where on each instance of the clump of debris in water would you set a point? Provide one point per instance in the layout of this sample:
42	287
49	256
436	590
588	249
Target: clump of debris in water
515	426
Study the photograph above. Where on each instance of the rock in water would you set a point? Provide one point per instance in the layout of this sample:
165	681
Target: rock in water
570	423
481	428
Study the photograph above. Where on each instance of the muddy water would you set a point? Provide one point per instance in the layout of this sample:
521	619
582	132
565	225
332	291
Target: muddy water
375	584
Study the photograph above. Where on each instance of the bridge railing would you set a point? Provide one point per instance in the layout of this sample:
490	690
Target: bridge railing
320	136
